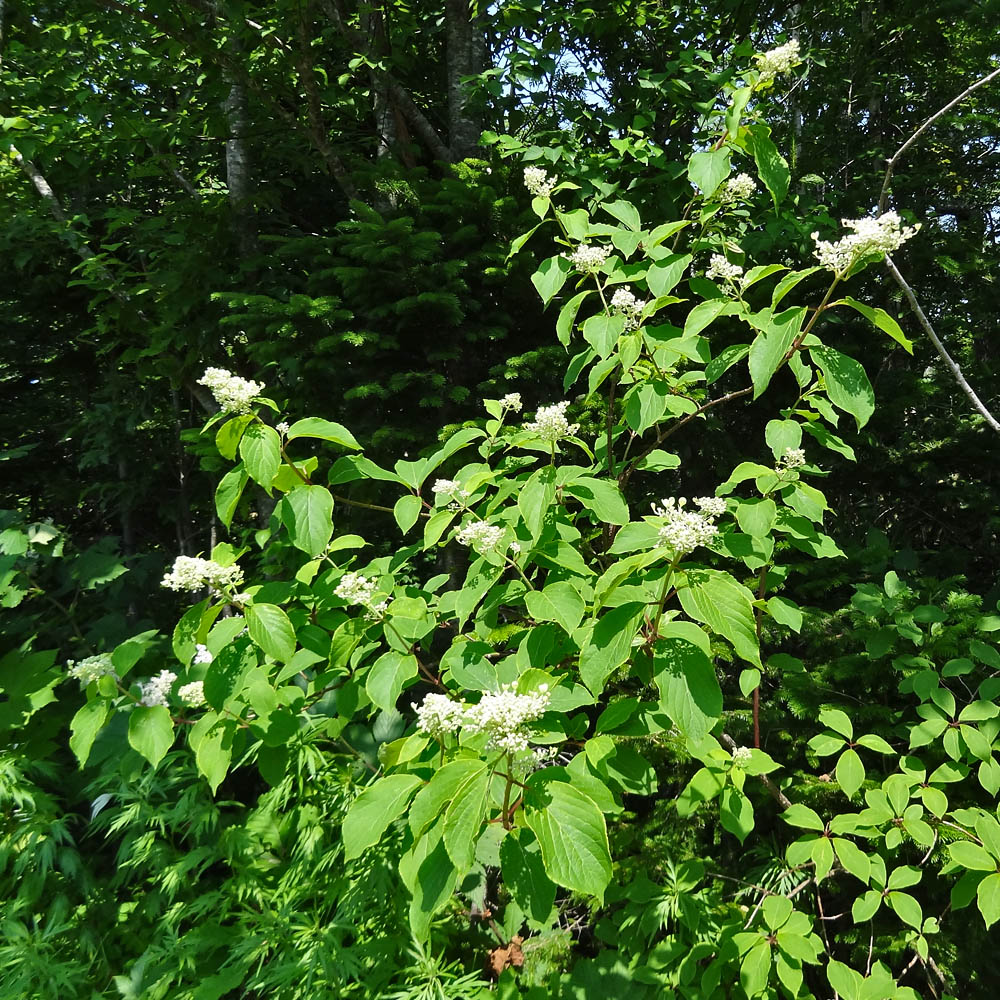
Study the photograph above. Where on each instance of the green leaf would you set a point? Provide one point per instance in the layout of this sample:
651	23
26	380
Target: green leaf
802	816
388	677
844	980
558	602
907	908
771	165
838	721
880	318
567	317
663	276
708	169
214	755
228	493
755	969
725	360
85	726
602	332
847	384
770	347
988	899
374	809
689	690
464	819
260	450
432	800
609	645
151	732
524	874
852	858
307	512
407	512
271	630
785	612
600	496
625	212
227	438
323	430
535	498
430	876
756	517
706	313
970	855
571	833
715	598
736	813
550	277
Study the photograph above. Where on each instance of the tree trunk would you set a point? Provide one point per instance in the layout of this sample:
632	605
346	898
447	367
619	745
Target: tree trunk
466	57
239	177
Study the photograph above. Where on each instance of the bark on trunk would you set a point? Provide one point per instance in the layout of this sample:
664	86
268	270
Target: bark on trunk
239	175
466	56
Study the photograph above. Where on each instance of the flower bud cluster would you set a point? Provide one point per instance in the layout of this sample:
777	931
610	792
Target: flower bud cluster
742	756
232	393
719	267
625	303
588	259
501	714
91	669
156	689
738	188
192	694
538	182
512	401
550	423
451	490
685	530
777	61
480	535
792	458
357	589
871	236
193	573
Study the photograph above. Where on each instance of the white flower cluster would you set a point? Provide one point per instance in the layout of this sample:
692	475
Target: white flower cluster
232	393
550	423
155	690
282	428
452	490
501	714
538	182
626	304
588	259
871	236
201	654
792	458
742	756
357	589
685	530
738	188
192	694
90	669
777	61
480	535
193	573
438	715
512	401
719	267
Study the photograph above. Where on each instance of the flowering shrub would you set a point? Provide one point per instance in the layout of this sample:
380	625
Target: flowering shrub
519	696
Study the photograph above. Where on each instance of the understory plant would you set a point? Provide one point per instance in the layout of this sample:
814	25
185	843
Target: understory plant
574	622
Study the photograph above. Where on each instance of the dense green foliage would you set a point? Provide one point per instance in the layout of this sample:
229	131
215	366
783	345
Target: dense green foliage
739	748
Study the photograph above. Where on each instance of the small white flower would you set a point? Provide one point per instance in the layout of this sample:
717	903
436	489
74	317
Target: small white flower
512	401
793	458
357	589
719	267
502	714
90	669
871	236
232	393
282	428
777	61
438	715
192	694
514	548
193	573
742	756
538	182
625	303
201	654
738	188
550	423
588	259
156	689
685	530
480	535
